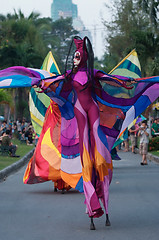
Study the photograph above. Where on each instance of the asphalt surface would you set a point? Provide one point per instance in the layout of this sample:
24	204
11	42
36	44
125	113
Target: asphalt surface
35	212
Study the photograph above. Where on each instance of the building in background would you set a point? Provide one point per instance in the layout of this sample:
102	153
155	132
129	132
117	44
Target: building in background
64	9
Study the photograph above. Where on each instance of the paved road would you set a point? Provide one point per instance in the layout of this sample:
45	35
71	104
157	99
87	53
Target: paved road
35	212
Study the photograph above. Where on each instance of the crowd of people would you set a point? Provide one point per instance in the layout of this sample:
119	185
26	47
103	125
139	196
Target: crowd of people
138	137
24	131
21	130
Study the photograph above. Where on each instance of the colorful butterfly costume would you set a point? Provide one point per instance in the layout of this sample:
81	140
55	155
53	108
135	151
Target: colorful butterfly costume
86	120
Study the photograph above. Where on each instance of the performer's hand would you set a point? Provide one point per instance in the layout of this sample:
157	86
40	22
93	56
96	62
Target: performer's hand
34	86
127	86
128	83
36	83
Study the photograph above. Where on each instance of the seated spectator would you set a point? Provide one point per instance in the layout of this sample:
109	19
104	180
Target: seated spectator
10	131
29	125
6	142
14	130
23	124
29	136
10	123
3	127
19	125
22	136
35	137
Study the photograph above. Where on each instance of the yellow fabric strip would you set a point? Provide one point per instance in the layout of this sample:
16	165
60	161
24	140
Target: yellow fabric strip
38	121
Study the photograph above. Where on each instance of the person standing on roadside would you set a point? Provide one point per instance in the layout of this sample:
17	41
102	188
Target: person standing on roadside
143	134
155	128
132	131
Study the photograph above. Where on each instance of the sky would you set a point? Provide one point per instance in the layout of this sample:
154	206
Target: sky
90	11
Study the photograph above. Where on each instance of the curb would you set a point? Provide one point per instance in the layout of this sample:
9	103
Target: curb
15	166
150	157
153	158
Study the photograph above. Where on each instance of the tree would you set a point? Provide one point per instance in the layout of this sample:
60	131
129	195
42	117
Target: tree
26	41
151	8
21	43
131	28
62	33
6	102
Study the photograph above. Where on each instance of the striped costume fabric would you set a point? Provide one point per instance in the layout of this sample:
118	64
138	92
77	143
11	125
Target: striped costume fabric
39	102
121	99
46	163
129	66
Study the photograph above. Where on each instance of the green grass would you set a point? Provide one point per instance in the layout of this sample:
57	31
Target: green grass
156	153
22	150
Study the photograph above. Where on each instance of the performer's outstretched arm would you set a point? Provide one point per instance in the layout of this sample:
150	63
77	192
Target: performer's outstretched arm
114	80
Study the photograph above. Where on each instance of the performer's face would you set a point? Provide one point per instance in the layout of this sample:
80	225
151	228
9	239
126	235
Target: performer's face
76	59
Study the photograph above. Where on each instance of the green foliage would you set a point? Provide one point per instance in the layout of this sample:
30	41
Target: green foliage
5	96
98	64
25	41
154	144
21	42
134	24
110	61
62	33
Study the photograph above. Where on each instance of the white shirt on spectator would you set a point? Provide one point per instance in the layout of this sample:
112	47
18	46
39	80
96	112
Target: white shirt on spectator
143	137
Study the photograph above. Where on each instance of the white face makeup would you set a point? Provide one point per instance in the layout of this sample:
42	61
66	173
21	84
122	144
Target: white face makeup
76	59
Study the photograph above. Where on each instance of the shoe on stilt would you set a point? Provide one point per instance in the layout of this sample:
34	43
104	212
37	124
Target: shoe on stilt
107	223
92	226
63	191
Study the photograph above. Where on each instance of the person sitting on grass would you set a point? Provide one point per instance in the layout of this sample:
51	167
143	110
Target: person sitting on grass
6	142
29	136
3	127
22	136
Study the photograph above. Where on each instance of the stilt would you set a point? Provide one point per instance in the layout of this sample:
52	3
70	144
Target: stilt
92	226
107	223
63	191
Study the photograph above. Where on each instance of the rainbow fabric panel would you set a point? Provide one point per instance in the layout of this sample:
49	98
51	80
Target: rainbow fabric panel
119	107
46	161
39	102
18	76
40	167
129	66
121	112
